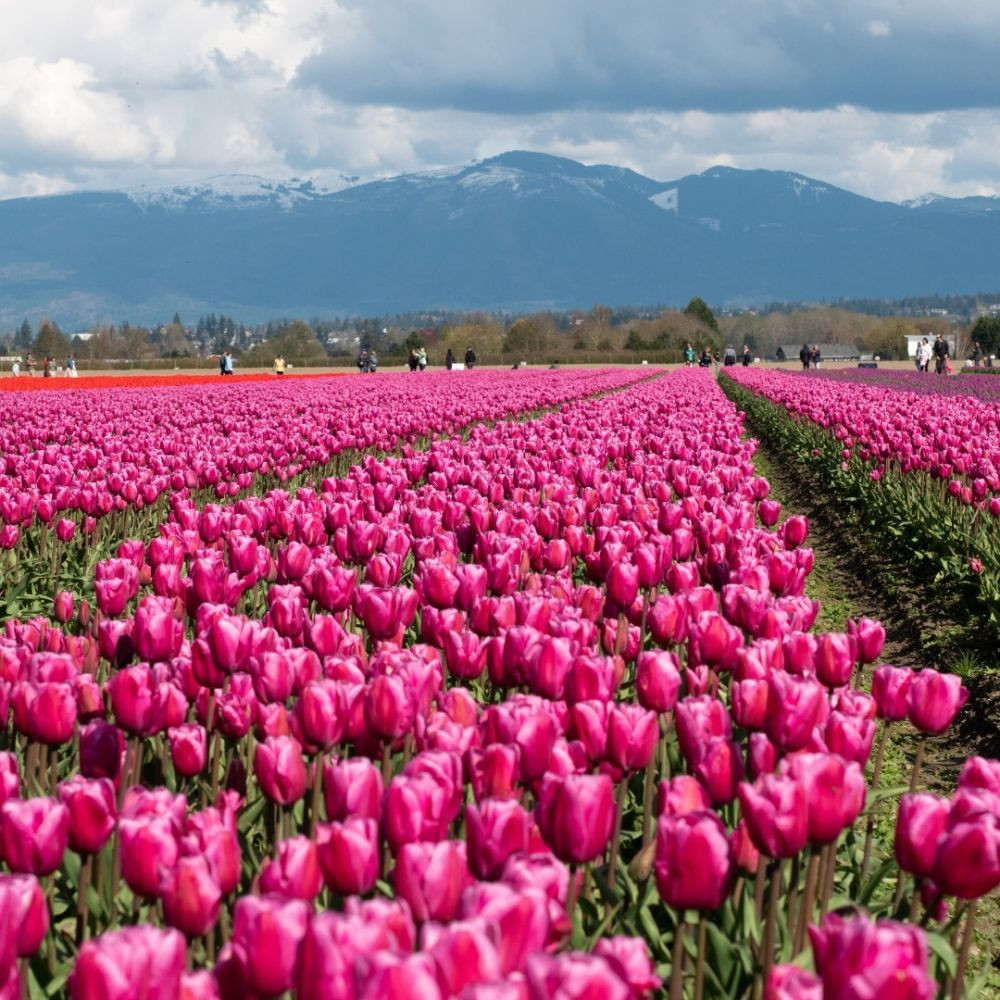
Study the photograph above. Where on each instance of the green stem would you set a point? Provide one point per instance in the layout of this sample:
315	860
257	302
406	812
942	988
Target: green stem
963	955
699	971
677	961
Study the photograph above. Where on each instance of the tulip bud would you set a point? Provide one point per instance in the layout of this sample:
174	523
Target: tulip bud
352	787
62	606
657	679
891	689
23	903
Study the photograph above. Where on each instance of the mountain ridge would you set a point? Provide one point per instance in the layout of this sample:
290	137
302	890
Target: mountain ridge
518	231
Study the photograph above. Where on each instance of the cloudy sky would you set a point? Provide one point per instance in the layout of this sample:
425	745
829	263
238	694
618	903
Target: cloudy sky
890	98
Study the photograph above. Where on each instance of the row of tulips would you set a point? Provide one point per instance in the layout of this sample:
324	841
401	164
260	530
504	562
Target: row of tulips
922	469
537	713
82	469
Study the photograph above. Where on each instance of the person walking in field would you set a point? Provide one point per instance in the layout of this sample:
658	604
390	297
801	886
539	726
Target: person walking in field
227	363
422	358
449	359
977	354
816	356
279	365
689	356
71	371
940	351
746	356
805	356
729	358
470	359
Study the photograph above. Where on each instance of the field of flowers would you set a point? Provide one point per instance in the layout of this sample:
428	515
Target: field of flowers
497	687
917	455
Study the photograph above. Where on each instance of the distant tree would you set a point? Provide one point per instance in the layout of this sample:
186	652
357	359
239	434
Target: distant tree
986	330
295	341
634	342
50	341
23	337
699	309
888	338
175	341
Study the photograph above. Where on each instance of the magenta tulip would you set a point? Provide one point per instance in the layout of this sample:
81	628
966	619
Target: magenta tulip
694	863
576	814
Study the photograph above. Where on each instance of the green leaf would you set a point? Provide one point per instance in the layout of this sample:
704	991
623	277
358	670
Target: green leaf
943	951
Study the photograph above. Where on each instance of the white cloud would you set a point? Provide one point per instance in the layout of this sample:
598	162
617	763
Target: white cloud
130	92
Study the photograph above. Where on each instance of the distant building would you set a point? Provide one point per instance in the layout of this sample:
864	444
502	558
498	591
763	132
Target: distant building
827	352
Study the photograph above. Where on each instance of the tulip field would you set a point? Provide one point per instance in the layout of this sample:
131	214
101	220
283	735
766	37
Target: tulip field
479	685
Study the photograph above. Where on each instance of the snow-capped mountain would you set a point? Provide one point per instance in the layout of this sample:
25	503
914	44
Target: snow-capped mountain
226	191
518	231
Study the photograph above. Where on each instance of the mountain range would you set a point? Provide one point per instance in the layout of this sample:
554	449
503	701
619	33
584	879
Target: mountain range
519	232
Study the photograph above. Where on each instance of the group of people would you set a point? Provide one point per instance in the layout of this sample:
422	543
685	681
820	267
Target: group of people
939	351
708	358
48	366
367	361
810	356
226	363
417	359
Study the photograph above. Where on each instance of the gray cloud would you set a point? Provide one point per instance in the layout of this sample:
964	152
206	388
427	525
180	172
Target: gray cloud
717	55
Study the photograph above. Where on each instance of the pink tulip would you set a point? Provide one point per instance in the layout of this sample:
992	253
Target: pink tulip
294	872
792	982
575	815
156	632
855	957
495	829
25	911
629	958
135	961
574	976
633	734
935	699
349	855
967	859
834	792
694	864
34	834
431	878
869	638
92	809
191	896
775	811
280	769
268	933
188	749
794	706
352	787
920	823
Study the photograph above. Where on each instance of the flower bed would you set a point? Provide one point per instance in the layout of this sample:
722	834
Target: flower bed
533	713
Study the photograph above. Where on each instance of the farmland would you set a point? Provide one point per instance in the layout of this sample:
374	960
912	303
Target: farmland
488	686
